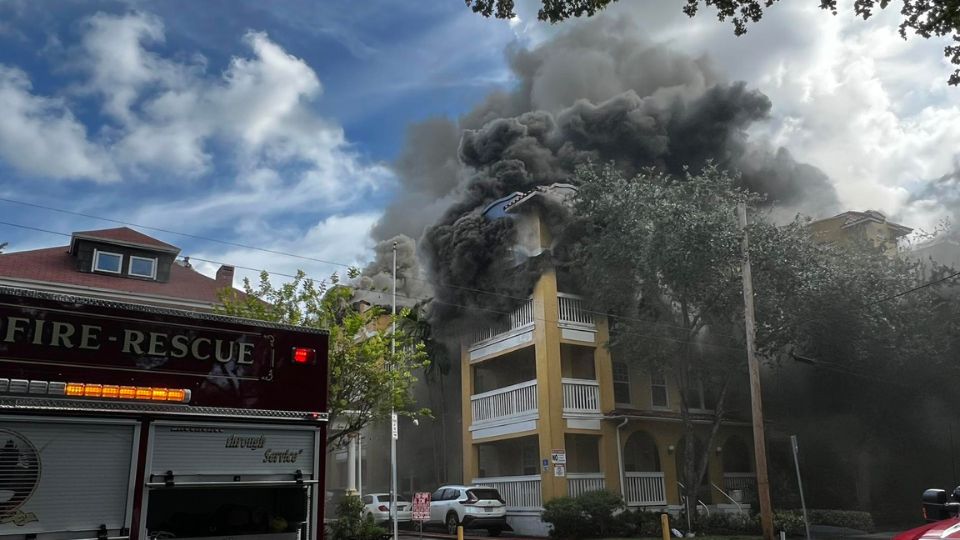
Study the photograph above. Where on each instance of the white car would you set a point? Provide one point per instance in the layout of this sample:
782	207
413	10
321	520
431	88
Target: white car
474	507
378	506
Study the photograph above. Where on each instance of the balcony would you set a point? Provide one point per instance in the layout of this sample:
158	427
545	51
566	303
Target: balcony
522	493
493	411
579	483
575	322
581	397
644	488
515	331
743	481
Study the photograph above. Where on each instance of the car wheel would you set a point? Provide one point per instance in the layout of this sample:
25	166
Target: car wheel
493	532
452	523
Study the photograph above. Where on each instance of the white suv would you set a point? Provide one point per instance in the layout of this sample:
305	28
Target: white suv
474	507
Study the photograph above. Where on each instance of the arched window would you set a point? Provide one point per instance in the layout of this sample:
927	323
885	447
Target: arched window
736	456
640	453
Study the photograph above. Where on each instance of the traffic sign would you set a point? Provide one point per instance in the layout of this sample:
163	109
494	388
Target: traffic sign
421	506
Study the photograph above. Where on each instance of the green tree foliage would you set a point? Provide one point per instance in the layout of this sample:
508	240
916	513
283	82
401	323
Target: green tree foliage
921	17
663	254
351	524
366	379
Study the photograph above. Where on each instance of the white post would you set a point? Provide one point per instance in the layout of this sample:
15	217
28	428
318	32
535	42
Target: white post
393	413
359	464
352	465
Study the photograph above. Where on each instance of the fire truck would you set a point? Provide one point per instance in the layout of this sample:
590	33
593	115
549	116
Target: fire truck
122	421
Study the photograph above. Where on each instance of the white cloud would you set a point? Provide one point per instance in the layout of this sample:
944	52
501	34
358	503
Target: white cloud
41	136
343	239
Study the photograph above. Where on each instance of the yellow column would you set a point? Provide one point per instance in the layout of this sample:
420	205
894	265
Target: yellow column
550	426
470	469
609	457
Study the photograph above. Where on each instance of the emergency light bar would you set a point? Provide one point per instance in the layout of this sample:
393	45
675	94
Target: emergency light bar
93	390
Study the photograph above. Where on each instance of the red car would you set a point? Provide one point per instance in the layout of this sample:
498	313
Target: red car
943	516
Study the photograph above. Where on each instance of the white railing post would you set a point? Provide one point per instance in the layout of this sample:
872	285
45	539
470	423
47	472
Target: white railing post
645	488
522	493
581	396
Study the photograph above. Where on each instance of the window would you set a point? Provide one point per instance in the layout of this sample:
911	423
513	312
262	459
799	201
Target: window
621	383
367	499
142	267
104	261
658	390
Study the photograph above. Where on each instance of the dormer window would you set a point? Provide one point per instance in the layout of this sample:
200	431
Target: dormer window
143	267
105	261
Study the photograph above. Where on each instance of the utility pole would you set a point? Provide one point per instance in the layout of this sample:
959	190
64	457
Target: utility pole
393	414
759	445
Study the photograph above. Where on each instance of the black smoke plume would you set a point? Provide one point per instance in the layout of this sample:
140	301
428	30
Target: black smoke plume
599	92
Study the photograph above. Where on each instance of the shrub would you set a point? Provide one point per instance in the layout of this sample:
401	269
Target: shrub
603	510
351	523
590	515
566	519
850	519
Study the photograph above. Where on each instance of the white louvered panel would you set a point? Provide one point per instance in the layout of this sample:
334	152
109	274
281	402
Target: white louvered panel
83	481
217	450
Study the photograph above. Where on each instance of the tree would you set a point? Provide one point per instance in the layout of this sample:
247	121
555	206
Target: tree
922	17
366	380
662	255
3	245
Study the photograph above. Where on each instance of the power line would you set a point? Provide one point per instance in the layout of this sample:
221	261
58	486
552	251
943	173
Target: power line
302	257
409	297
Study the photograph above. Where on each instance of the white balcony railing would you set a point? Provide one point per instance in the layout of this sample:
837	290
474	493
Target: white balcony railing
520	492
581	396
741	481
572	311
505	403
645	488
579	483
521	317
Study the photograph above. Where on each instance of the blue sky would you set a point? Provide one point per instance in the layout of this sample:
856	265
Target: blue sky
274	123
116	112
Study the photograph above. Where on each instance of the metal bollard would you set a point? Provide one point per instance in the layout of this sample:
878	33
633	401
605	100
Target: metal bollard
459	532
665	526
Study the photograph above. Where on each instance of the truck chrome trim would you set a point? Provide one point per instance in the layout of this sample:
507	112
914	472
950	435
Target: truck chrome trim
40	404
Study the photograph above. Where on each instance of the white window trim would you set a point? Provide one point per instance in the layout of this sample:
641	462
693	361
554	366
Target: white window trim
96	259
666	392
153	274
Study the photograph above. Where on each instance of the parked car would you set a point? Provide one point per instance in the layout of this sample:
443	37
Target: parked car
474	507
942	514
378	506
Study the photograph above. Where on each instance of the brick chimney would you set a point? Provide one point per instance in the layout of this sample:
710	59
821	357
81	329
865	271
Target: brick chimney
225	276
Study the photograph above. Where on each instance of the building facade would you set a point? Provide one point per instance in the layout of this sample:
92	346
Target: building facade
547	411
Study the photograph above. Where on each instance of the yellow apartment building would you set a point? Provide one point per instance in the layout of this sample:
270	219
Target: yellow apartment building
869	226
548	412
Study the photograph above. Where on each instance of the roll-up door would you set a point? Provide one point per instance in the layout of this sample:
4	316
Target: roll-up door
60	476
194	450
231	480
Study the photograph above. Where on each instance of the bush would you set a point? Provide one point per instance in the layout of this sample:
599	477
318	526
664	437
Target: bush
565	516
595	514
351	523
850	519
602	510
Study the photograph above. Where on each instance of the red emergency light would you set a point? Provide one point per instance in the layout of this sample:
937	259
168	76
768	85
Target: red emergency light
305	356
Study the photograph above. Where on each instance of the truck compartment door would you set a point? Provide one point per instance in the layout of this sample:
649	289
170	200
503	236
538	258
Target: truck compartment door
65	476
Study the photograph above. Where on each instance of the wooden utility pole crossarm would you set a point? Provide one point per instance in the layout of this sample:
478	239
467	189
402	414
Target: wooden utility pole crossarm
759	445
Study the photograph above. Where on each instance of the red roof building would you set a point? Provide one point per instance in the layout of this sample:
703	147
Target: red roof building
118	264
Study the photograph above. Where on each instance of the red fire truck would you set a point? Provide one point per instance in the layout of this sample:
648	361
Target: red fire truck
122	421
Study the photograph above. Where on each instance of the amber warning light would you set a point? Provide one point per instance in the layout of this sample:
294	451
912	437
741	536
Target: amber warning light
94	390
304	356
